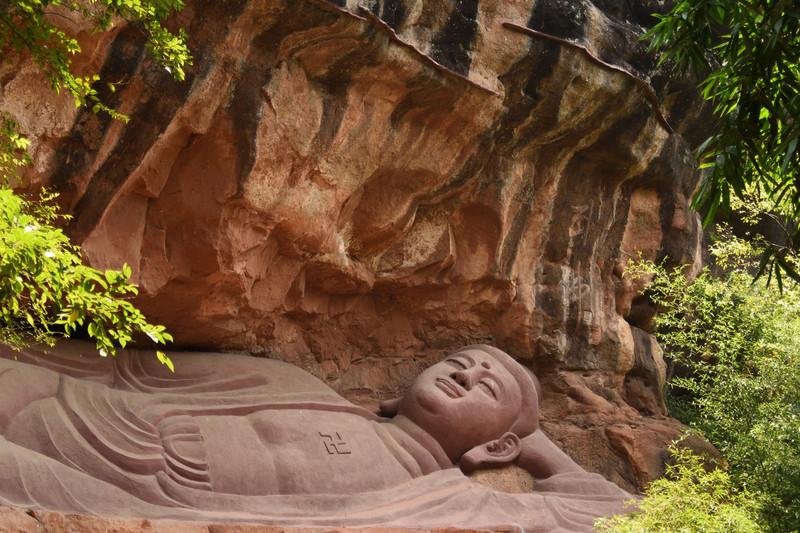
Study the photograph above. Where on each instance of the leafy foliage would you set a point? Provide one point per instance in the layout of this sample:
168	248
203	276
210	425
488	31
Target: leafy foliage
26	27
688	499
735	343
45	289
44	285
13	148
748	53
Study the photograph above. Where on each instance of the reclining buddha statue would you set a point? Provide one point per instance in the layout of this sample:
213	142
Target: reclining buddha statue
232	438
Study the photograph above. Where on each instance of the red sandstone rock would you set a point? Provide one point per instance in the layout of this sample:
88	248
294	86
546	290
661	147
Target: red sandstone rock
18	521
359	194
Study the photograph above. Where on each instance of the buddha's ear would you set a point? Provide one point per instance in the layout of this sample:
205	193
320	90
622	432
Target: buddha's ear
498	452
388	408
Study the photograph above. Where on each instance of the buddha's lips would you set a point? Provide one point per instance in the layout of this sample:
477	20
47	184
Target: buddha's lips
449	388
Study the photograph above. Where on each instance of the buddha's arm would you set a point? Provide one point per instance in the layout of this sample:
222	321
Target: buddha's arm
556	472
543	459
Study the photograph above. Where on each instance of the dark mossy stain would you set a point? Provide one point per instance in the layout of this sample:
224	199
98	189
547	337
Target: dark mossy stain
247	99
504	140
157	105
683	102
621	45
334	84
621	208
148	121
333	108
248	95
513	237
546	56
452	46
338	76
392	12
527	83
639	12
563	18
536	67
84	139
470	169
527	74
584	184
548	298
425	93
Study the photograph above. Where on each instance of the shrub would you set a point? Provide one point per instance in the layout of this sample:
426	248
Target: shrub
689	499
46	291
735	346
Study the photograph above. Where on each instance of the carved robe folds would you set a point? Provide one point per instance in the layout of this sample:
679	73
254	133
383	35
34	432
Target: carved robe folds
230	438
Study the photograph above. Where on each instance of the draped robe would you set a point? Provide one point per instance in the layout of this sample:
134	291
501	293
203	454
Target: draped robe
238	439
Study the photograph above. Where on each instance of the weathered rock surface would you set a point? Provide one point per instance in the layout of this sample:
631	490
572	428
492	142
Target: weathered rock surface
358	187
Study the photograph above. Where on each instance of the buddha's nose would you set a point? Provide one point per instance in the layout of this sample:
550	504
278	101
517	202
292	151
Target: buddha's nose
463	378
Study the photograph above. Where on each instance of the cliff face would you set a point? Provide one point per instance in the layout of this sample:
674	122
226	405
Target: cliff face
359	187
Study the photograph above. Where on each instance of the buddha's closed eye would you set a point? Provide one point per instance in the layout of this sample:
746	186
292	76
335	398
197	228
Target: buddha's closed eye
488	387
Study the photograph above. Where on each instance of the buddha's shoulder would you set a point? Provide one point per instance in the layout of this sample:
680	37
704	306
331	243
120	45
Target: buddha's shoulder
224	373
194	372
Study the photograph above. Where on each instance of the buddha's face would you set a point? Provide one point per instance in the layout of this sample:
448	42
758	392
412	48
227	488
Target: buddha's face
466	400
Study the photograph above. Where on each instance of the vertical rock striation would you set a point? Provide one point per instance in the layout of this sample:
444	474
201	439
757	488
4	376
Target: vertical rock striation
360	186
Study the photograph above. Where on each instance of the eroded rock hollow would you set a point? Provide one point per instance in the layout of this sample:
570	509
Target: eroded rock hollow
360	187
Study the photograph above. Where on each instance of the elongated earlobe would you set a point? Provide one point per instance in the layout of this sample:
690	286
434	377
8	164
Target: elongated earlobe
388	408
498	452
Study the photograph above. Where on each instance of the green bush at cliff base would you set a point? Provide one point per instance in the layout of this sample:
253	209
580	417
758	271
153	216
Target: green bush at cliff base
689	499
734	343
46	291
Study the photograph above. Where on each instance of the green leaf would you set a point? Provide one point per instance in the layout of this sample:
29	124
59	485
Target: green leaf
789	153
736	341
165	360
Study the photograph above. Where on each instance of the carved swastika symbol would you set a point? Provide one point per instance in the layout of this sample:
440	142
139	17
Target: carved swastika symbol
334	444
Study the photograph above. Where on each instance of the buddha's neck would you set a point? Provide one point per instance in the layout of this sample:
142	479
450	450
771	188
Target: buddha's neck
414	443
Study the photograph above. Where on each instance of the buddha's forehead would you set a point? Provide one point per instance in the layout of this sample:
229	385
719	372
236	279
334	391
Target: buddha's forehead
473	354
476	355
